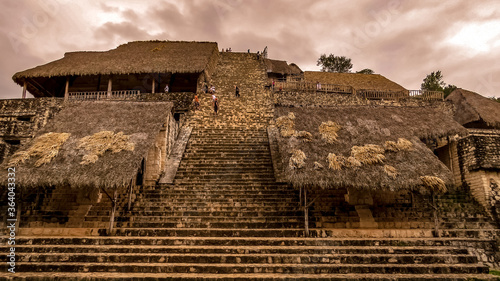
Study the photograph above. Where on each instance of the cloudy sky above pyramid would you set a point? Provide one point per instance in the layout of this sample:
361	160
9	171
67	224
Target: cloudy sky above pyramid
403	40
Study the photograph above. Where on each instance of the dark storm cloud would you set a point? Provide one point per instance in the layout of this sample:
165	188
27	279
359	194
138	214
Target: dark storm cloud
400	39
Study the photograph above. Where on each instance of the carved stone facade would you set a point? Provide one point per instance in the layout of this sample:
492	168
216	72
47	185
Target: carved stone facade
21	118
479	155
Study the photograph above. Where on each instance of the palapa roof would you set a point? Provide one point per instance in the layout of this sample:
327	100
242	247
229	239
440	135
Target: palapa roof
281	67
141	120
295	68
358	81
133	57
472	109
362	125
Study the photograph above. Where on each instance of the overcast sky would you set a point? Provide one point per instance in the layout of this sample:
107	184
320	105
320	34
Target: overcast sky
403	40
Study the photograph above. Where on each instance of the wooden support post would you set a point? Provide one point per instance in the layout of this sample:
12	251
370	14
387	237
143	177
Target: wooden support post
110	85
153	86
306	214
130	195
66	89
25	85
113	210
437	233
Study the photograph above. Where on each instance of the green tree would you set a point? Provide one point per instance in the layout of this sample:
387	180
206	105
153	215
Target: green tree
332	63
366	71
434	82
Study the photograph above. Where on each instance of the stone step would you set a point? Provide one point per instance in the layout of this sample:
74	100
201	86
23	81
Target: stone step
283	268
204	208
217	200
238	249
39	276
199	219
246	258
348	240
209	225
106	213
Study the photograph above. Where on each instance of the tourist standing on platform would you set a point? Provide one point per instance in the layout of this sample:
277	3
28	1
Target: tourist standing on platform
167	88
237	91
196	102
273	84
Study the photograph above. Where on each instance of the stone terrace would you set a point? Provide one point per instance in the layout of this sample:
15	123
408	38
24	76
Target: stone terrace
226	218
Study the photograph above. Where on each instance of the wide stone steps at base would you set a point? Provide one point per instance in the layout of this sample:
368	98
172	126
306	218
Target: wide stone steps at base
251	268
44	276
297	258
321	258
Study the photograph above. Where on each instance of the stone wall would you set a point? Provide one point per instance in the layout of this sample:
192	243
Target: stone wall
481	149
286	98
20	119
182	100
159	152
479	157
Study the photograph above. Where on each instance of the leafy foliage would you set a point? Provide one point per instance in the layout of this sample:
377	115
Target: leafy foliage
366	71
434	82
332	63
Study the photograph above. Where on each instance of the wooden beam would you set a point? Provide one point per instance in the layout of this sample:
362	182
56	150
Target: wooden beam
40	87
24	89
153	86
110	86
66	89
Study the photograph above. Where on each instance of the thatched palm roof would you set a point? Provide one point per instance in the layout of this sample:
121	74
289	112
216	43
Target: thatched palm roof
133	57
295	68
281	67
472	109
358	81
363	125
141	120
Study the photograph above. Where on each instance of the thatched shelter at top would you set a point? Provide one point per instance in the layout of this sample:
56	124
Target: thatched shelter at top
279	69
143	66
358	81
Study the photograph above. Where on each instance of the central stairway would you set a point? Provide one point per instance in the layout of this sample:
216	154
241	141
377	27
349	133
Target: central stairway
226	218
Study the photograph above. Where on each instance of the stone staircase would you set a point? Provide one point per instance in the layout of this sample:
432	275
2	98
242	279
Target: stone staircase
226	218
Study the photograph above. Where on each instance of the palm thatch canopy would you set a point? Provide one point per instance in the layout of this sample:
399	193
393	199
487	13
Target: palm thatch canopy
281	67
360	126
133	57
358	81
142	121
295	69
474	110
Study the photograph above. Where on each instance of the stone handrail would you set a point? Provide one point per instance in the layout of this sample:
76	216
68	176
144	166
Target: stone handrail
101	95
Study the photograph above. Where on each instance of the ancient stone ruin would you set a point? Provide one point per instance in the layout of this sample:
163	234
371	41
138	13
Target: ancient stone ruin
305	176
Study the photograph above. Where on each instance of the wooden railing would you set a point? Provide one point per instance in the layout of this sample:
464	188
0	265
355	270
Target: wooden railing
302	86
426	95
309	86
381	94
101	95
